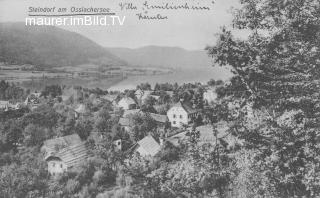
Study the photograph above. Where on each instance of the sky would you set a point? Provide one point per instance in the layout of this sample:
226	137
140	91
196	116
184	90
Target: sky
191	30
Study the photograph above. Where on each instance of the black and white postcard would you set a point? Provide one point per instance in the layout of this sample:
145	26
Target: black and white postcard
159	98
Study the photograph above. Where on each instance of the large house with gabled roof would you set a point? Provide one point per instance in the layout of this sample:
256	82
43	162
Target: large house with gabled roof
181	114
127	103
64	153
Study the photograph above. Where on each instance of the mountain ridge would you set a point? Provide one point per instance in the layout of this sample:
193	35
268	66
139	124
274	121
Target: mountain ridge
49	46
162	56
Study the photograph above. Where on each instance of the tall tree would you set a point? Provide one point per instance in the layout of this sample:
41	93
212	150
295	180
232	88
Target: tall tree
276	83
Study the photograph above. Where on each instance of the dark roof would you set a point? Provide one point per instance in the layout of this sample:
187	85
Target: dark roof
73	155
159	117
187	107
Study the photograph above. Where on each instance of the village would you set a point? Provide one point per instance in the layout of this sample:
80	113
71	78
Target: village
150	117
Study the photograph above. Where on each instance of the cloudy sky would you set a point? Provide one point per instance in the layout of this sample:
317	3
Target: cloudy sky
187	29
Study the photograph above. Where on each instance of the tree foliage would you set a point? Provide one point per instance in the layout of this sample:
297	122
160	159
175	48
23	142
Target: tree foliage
276	74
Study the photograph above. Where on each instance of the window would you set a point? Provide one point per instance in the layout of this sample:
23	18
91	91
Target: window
174	122
174	115
53	164
61	165
180	116
119	143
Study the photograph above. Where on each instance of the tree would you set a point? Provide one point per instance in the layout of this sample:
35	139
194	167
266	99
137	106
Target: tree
12	135
83	128
202	171
276	75
142	125
150	101
211	82
9	91
34	135
52	91
27	179
144	86
103	121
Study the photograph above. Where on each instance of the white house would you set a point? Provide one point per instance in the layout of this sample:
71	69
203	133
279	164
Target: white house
67	158
127	103
64	153
4	104
53	145
182	113
81	110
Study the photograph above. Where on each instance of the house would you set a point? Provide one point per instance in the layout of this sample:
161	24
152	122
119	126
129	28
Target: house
4	105
111	98
64	153
209	96
32	99
53	145
182	113
81	110
127	103
207	135
67	158
148	147
15	106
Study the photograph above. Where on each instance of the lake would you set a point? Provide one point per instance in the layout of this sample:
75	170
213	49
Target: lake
202	75
38	80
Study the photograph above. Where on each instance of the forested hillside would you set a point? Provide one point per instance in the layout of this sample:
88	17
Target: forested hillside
49	46
156	56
